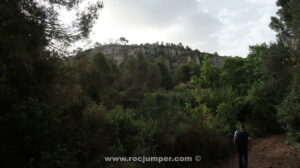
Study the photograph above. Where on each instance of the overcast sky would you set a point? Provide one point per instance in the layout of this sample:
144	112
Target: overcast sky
224	26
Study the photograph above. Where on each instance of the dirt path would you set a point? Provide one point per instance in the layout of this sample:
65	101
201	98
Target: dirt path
270	152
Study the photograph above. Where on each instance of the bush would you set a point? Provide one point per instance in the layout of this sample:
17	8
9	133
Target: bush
289	109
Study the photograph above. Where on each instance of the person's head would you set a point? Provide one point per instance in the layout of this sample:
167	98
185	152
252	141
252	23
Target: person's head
242	126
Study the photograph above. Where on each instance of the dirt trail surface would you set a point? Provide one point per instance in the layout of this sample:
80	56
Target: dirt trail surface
270	152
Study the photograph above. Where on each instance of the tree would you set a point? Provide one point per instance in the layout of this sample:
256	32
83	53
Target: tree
167	81
208	73
41	19
288	113
282	64
184	73
30	68
123	40
97	78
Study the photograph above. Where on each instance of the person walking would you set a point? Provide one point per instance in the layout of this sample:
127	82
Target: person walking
241	145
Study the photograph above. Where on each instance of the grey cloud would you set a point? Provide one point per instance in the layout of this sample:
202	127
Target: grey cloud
227	27
196	30
191	23
199	26
154	13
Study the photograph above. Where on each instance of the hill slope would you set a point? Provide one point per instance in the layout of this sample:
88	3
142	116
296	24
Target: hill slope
270	152
173	55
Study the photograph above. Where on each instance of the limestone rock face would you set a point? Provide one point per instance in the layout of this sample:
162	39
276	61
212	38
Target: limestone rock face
172	55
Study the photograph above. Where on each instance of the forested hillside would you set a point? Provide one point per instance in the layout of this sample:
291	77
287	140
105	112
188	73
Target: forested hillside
72	111
171	54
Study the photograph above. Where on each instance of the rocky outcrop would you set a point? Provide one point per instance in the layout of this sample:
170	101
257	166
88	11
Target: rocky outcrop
172	55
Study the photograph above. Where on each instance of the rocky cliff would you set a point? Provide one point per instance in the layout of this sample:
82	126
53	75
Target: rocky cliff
171	54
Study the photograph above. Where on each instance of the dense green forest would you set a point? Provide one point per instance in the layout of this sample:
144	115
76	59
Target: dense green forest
71	112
